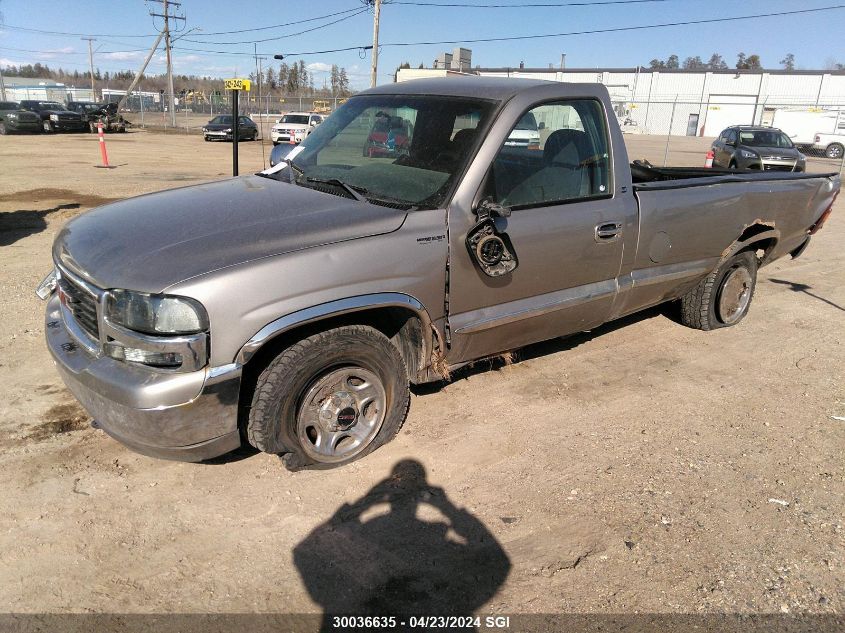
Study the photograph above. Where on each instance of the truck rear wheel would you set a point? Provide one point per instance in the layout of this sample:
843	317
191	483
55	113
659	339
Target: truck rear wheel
330	398
723	297
834	150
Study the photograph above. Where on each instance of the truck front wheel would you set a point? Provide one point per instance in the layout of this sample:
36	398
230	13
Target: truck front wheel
330	398
834	150
723	297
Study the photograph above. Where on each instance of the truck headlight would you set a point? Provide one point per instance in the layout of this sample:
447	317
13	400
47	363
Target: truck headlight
746	154
54	117
12	116
228	130
155	314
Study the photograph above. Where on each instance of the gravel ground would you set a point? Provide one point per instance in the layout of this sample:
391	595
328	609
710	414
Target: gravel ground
639	468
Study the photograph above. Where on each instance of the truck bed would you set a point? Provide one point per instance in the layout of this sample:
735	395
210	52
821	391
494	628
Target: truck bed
649	177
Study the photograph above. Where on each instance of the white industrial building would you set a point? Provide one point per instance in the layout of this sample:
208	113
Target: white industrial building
691	102
25	88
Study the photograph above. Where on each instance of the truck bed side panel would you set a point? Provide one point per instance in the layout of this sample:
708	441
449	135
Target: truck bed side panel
684	231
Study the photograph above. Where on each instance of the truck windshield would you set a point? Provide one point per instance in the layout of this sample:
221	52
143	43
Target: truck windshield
394	149
49	105
764	138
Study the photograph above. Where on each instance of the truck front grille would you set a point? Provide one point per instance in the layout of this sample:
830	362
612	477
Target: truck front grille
81	304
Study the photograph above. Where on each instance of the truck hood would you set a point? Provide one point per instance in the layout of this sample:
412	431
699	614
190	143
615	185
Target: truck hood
154	241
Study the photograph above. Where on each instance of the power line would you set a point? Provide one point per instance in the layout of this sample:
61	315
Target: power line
277	26
281	37
520	6
590	32
42	32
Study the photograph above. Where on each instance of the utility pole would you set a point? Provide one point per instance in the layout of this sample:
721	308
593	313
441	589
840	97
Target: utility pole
91	64
563	61
167	46
376	15
140	72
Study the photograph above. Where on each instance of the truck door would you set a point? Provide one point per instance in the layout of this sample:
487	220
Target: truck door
566	229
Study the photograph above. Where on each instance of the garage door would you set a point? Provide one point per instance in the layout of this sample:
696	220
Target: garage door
727	110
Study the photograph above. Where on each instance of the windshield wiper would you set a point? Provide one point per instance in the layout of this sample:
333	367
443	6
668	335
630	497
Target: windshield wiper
291	169
352	190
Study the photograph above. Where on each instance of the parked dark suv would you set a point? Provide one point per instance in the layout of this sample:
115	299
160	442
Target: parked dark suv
15	119
754	147
55	117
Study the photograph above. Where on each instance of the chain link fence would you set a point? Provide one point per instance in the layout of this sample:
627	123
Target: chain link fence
690	126
683	127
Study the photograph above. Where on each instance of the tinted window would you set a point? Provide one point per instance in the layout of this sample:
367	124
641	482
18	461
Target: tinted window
765	138
569	160
222	120
301	119
245	120
8	105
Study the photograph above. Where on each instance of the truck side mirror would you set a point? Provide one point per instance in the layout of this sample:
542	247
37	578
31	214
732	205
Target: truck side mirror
491	249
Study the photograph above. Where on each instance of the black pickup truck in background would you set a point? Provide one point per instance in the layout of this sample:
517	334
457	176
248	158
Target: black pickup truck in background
55	117
14	119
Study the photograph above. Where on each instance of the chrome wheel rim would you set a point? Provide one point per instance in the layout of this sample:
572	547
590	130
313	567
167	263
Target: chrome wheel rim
734	295
341	414
834	152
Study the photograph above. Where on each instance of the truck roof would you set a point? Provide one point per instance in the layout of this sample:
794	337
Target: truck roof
499	88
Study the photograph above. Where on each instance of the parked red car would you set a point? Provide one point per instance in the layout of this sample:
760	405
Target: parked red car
389	137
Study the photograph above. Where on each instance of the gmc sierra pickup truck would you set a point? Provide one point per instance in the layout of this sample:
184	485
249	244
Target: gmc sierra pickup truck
292	308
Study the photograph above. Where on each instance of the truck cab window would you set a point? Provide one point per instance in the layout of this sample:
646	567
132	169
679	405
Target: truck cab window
556	152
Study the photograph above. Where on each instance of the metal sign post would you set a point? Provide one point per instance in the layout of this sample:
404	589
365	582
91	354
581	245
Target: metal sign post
236	85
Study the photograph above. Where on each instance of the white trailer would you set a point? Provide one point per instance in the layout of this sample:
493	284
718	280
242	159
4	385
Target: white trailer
802	124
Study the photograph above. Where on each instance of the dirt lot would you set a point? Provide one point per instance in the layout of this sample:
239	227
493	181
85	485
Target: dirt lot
642	467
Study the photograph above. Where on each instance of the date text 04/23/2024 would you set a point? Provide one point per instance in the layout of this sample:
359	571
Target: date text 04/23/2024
456	622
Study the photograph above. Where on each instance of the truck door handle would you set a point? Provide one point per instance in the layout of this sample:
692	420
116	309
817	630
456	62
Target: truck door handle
608	231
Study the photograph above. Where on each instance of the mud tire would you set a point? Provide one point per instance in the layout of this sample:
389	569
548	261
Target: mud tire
700	306
281	387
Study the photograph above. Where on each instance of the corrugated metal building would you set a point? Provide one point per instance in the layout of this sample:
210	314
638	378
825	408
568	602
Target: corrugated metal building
695	102
22	88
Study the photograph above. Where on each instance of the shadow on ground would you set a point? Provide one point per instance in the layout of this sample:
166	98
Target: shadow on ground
16	225
798	287
376	556
545	348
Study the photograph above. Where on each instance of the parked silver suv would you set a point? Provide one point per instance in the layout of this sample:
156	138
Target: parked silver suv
754	147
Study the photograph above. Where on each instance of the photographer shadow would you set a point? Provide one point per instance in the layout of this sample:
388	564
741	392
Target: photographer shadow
365	562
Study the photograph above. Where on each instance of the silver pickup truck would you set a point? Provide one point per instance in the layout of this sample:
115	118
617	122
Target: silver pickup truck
291	309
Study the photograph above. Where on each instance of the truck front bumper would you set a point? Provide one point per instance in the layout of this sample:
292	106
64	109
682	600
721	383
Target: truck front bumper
183	416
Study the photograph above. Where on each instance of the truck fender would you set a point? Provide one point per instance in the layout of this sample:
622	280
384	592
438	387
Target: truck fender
764	234
341	307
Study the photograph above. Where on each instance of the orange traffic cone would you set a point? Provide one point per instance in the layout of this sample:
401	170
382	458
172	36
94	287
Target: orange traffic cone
708	160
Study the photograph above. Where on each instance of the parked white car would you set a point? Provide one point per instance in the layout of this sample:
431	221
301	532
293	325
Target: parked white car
832	145
294	125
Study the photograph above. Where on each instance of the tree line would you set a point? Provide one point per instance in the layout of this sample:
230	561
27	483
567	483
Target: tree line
293	80
717	62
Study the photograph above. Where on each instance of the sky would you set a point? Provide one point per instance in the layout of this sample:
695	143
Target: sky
124	32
